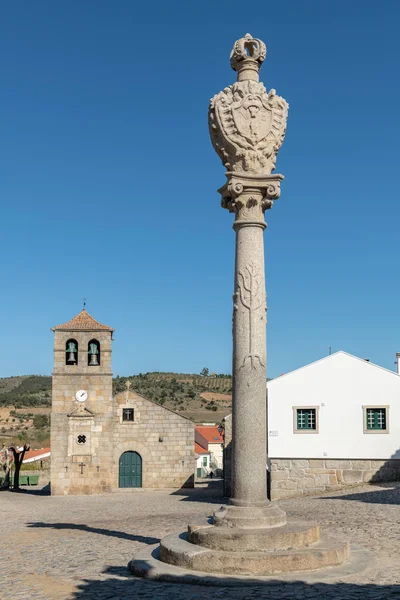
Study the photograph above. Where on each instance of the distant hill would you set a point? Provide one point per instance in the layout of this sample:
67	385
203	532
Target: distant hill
25	390
184	393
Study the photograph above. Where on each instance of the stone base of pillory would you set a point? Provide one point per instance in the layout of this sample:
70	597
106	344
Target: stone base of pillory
177	559
328	551
263	551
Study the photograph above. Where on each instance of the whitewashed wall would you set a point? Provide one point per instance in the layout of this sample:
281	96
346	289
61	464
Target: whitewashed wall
217	451
199	461
340	385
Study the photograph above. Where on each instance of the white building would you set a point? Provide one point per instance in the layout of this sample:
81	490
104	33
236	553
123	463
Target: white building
203	457
331	423
210	437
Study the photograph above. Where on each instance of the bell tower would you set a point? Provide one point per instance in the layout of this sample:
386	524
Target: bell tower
82	407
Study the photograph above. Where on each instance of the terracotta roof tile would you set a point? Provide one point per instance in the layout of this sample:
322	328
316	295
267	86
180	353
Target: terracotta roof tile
84	322
210	433
32	455
199	449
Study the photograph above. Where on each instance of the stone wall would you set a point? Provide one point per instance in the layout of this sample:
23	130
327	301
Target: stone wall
295	477
164	440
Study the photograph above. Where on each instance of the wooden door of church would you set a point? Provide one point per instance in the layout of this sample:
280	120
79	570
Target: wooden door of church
130	470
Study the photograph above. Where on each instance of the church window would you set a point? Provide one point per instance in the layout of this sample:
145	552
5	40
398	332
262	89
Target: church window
93	353
127	414
81	439
71	352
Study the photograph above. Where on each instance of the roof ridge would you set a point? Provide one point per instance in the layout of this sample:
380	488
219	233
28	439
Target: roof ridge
83	321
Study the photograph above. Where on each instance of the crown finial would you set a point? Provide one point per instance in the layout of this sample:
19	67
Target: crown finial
247	55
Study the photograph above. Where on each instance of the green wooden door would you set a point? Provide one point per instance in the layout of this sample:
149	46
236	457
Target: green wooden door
130	470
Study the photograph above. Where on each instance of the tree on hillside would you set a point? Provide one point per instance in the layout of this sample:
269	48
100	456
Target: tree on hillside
204	372
18	456
40	421
5	467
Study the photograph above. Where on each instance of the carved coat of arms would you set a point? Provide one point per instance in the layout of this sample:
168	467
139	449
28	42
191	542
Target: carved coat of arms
247	126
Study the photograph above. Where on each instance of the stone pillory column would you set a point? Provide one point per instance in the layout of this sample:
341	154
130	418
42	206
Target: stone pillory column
250	536
247	127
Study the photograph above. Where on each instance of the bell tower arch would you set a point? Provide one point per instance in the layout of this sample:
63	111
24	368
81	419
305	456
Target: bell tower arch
82	407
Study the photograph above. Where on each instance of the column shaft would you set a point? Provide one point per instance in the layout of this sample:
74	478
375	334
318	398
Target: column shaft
249	452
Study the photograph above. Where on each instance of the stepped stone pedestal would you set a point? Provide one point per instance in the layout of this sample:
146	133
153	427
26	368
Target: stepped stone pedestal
250	536
290	548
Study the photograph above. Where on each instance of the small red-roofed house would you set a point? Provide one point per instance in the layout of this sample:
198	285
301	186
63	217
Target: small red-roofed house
210	435
202	456
36	455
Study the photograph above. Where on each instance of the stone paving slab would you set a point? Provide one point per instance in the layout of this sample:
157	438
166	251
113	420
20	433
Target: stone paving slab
79	547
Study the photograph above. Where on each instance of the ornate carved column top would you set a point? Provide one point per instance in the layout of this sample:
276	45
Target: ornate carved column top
247	55
247	123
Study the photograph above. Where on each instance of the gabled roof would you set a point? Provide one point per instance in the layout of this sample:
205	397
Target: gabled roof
83	322
331	357
130	392
211	434
199	449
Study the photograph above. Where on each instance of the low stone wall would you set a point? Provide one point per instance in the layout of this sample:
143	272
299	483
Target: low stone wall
294	477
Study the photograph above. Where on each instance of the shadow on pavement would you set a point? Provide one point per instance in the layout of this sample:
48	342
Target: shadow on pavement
108	532
389	495
127	586
44	491
207	491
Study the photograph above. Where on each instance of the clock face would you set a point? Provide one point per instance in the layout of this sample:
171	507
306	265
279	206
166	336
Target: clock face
81	395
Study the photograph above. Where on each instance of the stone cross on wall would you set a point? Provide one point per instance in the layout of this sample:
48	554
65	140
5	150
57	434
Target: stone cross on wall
128	387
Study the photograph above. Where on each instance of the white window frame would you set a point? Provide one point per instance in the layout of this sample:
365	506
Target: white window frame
306	431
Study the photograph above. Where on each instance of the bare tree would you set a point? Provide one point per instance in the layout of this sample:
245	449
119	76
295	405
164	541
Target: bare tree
5	466
18	458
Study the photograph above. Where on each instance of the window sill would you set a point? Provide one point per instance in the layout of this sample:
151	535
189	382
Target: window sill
306	431
375	431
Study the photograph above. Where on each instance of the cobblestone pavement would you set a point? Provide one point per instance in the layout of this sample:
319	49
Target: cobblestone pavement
78	547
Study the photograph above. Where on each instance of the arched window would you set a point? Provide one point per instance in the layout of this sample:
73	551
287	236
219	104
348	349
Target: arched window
71	352
93	353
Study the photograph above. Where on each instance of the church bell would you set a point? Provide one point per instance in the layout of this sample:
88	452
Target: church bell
71	358
93	360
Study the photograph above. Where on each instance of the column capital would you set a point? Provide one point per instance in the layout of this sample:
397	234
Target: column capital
249	196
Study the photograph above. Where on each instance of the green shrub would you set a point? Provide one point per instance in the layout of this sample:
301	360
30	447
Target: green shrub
41	421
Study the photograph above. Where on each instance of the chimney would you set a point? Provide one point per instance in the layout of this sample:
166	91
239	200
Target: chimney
398	362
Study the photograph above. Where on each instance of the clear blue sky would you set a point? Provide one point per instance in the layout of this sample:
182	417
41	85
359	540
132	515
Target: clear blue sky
108	181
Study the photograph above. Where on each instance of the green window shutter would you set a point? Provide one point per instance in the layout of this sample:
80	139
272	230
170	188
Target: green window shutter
376	418
306	418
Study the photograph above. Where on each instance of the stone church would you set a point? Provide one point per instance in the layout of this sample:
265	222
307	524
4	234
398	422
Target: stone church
104	443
